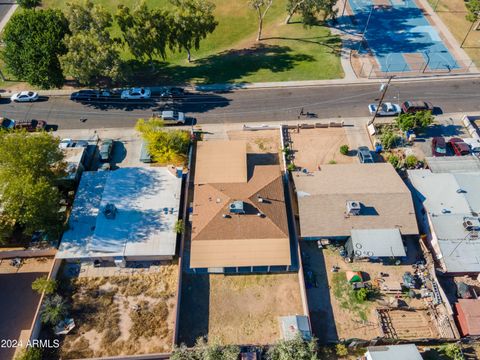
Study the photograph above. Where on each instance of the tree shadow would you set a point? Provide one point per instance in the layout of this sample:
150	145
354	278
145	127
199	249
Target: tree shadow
334	43
225	67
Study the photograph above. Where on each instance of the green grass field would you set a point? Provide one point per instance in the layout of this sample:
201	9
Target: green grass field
230	54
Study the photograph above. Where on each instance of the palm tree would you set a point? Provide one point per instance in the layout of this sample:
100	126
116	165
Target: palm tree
54	310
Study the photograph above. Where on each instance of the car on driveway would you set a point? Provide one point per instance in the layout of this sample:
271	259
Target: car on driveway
6	123
136	94
173	93
31	126
106	147
173	117
413	106
69	143
474	145
24	96
439	146
89	94
460	147
386	109
364	155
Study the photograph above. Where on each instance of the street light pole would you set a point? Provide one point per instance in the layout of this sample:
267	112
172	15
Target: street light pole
380	102
468	32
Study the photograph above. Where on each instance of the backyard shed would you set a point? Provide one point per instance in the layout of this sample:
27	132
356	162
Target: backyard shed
393	352
296	324
375	243
468	316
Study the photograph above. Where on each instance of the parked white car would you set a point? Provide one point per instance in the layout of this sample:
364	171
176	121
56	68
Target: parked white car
24	96
136	94
175	117
474	145
387	109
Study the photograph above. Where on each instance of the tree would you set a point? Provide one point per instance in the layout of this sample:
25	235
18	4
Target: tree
43	284
33	43
54	310
473	7
30	353
309	9
452	351
29	166
166	147
29	4
91	52
344	149
146	32
296	348
412	121
389	139
193	20
261	7
205	351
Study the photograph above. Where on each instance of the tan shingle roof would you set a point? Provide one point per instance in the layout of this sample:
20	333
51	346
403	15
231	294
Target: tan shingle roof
322	197
246	239
221	161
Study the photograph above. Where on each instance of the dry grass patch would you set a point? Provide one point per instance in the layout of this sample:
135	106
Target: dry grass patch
122	315
244	309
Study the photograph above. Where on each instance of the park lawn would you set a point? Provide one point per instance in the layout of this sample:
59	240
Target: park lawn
230	54
452	13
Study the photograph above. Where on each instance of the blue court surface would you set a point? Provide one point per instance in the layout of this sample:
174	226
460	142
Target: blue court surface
400	37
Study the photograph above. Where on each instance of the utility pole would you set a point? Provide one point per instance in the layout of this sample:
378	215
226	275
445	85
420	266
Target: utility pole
384	89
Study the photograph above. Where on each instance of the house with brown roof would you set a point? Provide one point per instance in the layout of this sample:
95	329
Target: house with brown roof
239	218
345	200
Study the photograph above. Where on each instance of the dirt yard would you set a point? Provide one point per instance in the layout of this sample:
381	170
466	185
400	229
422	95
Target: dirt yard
122	315
315	147
244	309
261	141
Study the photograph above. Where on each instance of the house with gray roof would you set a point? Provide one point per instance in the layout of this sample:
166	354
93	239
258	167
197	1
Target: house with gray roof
450	204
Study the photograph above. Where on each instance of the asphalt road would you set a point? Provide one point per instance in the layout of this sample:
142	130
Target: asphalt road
244	106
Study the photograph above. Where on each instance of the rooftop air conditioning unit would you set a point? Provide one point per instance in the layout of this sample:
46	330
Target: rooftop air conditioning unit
236	207
471	224
110	211
353	207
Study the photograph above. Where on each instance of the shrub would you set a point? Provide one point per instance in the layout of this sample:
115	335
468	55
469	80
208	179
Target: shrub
28	4
389	139
291	167
42	284
30	353
394	160
361	295
344	149
452	351
411	161
332	162
341	349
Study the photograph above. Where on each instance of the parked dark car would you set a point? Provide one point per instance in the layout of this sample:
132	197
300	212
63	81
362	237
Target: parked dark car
31	126
106	150
412	106
88	95
459	147
439	146
173	92
364	155
6	123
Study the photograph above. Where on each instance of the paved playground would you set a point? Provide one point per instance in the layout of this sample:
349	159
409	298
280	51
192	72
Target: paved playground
400	36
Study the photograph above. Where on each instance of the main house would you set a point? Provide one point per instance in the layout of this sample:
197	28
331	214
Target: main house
366	204
239	218
124	215
450	207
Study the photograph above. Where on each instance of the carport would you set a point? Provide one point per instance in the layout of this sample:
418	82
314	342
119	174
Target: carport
375	243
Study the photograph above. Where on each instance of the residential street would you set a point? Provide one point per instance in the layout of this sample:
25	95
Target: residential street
241	106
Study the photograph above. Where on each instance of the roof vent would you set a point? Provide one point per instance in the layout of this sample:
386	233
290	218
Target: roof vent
460	191
110	211
471	224
260	199
226	216
445	211
259	214
353	207
236	207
